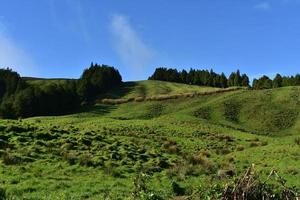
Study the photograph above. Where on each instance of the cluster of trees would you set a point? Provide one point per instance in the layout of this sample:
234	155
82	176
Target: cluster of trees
20	99
210	78
96	80
200	77
279	81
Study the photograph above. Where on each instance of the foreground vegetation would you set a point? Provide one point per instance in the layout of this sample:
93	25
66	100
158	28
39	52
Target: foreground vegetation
186	147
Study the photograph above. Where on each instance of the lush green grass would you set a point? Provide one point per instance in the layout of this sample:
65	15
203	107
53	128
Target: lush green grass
153	88
186	142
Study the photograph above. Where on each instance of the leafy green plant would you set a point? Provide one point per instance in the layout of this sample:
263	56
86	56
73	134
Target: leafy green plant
141	190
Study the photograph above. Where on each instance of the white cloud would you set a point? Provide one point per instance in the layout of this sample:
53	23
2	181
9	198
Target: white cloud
263	6
134	53
13	56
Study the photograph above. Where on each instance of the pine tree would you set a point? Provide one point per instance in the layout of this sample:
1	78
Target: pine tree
244	81
277	81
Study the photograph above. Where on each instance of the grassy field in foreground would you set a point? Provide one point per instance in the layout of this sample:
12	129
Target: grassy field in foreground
182	147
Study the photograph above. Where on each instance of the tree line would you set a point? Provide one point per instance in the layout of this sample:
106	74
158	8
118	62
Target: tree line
201	77
18	98
210	78
279	81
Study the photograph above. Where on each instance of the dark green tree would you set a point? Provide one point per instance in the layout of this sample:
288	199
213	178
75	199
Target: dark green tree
244	80
277	81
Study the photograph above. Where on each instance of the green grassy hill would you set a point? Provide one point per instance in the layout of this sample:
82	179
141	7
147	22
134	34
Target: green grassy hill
185	146
153	88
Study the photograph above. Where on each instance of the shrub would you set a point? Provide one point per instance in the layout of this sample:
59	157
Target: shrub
250	186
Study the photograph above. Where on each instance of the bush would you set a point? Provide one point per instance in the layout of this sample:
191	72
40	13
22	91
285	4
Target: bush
250	186
297	141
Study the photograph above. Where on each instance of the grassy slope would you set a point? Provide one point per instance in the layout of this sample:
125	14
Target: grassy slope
119	140
153	88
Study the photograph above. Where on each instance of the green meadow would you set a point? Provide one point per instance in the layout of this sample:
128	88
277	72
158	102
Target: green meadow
188	147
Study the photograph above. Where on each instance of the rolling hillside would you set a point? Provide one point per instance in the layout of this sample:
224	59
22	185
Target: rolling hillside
154	88
180	146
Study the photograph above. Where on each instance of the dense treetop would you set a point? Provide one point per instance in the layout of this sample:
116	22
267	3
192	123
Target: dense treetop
201	77
210	78
18	99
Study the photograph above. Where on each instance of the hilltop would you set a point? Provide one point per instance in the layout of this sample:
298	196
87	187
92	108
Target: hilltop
182	145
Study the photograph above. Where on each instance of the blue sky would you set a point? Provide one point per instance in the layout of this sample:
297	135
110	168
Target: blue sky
59	38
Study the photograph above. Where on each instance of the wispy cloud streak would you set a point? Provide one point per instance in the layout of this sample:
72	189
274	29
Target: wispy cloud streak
134	53
13	56
263	6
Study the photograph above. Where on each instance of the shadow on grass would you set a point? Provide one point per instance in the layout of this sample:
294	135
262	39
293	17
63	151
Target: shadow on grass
119	91
97	109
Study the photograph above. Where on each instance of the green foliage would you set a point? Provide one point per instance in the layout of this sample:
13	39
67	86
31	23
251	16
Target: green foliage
250	186
194	77
235	79
96	80
277	81
25	100
141	189
262	83
10	82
